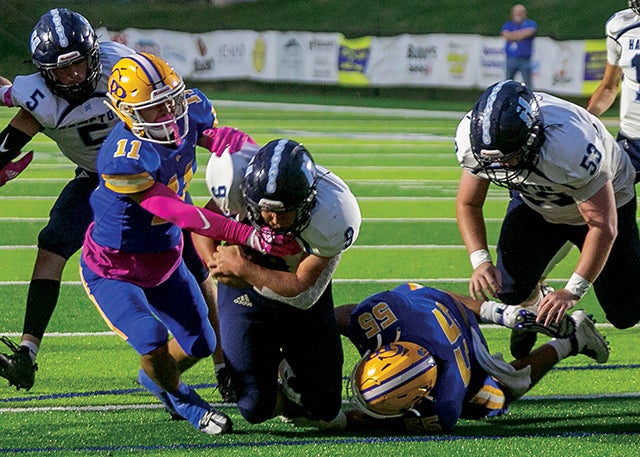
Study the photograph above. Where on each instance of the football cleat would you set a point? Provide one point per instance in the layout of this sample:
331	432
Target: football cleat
200	414
587	340
225	386
18	367
145	381
526	320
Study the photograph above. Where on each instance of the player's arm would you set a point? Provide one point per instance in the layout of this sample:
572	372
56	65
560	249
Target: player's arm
518	35
165	203
607	91
472	192
13	138
204	245
300	288
599	212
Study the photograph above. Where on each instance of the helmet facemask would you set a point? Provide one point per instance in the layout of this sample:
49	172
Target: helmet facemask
171	128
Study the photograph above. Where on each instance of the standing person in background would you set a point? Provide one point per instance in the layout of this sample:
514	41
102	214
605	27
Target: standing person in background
65	101
623	34
519	33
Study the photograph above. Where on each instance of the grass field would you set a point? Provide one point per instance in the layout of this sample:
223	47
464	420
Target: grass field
401	165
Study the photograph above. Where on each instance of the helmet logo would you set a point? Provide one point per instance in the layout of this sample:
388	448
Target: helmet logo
525	112
116	90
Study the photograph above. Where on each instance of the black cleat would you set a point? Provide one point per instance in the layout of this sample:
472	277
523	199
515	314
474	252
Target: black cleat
225	386
521	343
18	367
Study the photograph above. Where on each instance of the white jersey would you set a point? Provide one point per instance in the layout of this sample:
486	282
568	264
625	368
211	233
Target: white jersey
576	159
623	50
335	219
77	130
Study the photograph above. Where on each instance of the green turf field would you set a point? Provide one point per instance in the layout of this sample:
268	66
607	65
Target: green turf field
401	166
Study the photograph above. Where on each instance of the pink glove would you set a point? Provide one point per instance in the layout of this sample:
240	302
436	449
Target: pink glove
218	139
13	169
268	242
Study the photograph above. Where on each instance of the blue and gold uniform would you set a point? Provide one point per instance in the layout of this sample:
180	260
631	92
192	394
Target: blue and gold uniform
434	320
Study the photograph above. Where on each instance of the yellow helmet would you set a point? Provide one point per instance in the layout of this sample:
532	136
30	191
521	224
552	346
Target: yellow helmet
141	81
392	379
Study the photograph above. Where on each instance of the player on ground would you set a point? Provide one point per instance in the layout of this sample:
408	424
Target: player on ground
426	363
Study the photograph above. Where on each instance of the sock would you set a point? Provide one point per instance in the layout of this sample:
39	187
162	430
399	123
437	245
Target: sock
562	346
41	301
33	349
498	313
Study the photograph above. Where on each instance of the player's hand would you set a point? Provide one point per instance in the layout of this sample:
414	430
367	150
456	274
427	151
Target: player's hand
220	139
268	242
554	306
486	282
227	261
13	169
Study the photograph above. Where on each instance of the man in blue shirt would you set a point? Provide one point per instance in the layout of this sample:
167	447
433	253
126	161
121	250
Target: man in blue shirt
519	33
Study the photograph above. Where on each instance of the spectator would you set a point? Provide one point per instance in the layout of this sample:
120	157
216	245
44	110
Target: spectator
519	33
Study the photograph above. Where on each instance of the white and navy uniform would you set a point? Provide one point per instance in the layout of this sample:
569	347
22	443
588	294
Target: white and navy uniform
623	50
303	330
576	159
78	131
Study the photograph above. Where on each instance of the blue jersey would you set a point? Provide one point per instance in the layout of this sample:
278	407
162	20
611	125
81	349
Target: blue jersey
127	165
434	320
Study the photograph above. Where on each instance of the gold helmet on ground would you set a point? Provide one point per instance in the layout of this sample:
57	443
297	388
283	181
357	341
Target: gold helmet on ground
392	379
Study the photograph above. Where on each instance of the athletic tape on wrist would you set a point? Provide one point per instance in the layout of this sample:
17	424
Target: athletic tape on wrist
577	285
478	257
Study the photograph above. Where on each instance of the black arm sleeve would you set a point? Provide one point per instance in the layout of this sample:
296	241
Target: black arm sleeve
12	141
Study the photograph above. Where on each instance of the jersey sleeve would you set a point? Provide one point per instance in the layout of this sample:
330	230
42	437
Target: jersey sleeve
128	173
201	111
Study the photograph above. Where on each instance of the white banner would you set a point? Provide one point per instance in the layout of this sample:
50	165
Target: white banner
433	60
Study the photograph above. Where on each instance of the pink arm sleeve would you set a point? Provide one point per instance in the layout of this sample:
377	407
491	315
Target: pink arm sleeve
164	203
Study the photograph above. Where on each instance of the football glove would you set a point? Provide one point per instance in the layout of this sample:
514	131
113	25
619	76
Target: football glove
220	139
13	169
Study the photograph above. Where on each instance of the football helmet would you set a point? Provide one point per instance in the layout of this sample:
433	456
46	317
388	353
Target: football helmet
507	131
635	6
392	379
60	38
142	81
281	177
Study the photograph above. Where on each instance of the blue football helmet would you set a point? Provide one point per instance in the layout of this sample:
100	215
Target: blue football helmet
507	131
60	38
635	6
281	177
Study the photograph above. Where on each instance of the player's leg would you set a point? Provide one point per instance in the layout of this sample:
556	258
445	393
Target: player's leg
313	350
57	242
248	327
208	288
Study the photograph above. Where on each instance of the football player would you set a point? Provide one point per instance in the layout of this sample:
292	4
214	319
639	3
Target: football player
568	181
277	314
131	263
425	362
65	101
623	35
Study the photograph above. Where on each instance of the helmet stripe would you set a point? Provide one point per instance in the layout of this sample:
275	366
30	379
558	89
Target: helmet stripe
149	68
57	22
398	379
488	109
275	165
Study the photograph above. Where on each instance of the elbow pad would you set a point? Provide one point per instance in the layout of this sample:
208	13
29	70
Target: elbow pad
12	141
